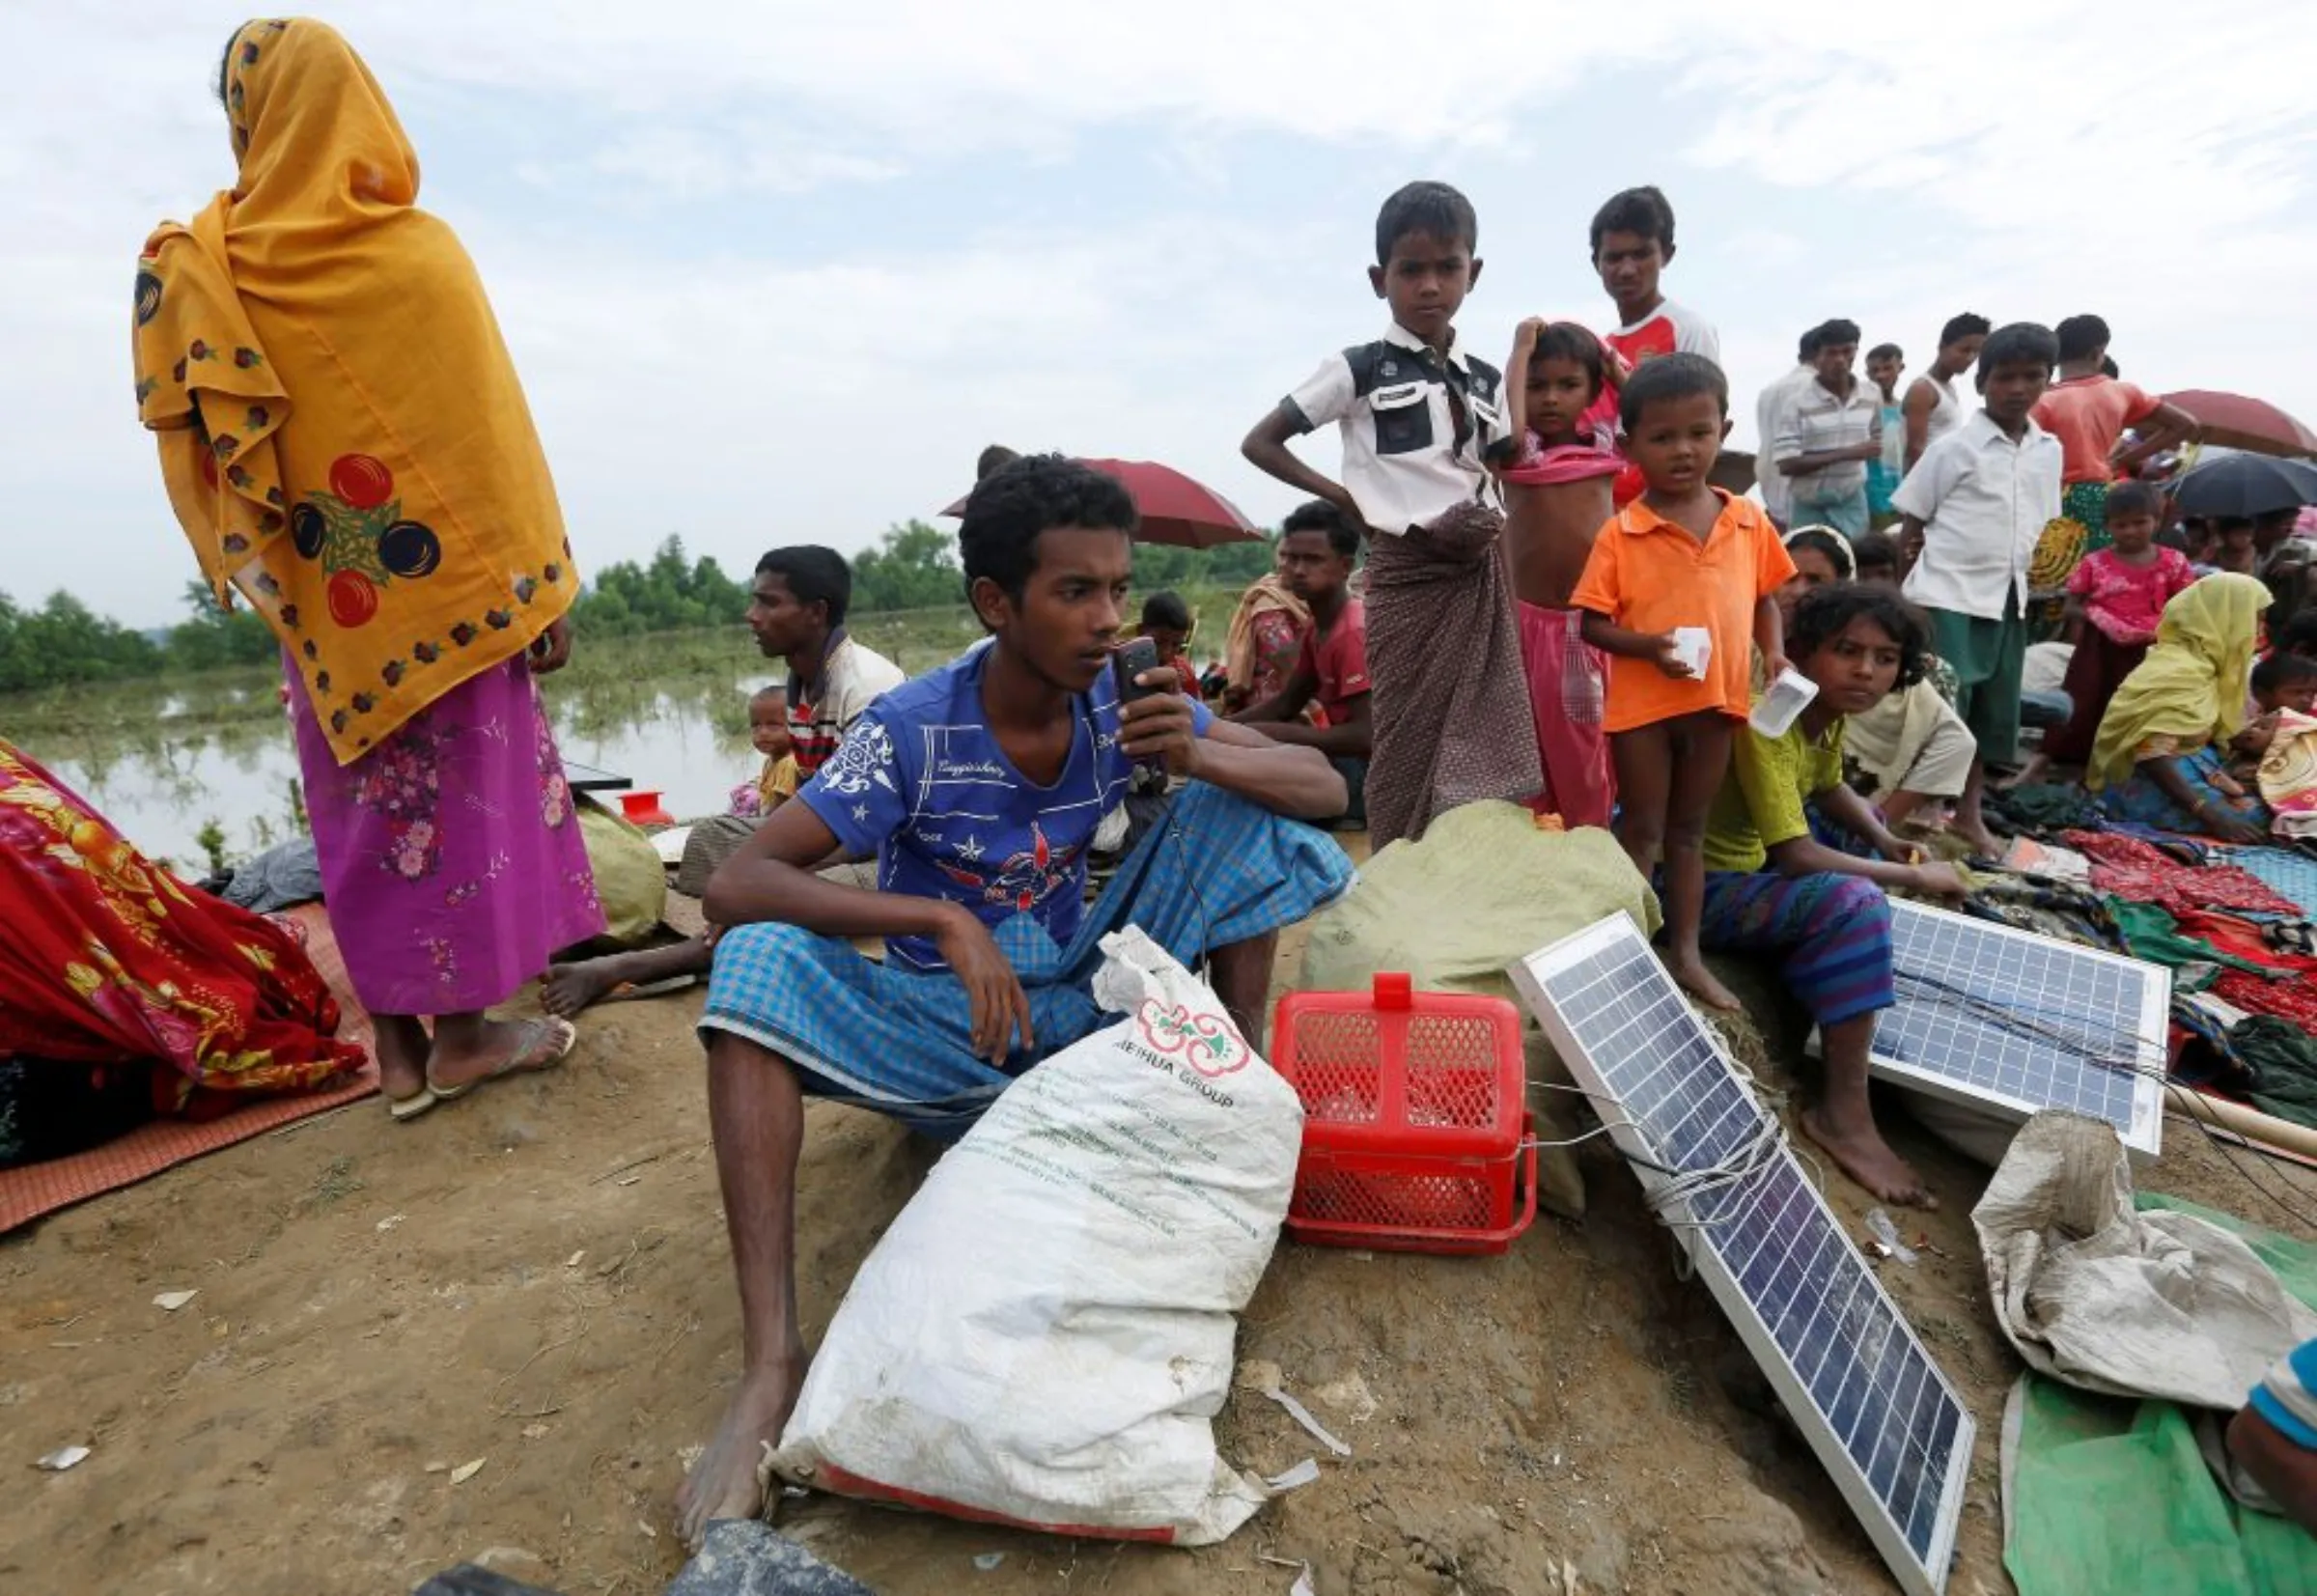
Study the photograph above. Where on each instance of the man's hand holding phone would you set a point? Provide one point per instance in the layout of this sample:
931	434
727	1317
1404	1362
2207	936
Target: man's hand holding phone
1155	725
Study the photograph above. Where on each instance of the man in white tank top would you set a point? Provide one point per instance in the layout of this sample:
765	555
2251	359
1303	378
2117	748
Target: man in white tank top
1931	407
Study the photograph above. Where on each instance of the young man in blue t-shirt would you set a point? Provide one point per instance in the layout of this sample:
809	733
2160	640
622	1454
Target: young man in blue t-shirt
978	788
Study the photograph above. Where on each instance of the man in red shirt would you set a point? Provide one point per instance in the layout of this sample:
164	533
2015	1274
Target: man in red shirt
1318	547
1632	244
2088	411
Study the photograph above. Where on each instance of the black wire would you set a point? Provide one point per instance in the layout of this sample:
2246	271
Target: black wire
1190	878
2229	1157
2078	1044
2079	1047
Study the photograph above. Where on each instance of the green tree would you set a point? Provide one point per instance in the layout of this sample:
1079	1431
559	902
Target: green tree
670	594
63	642
218	636
913	566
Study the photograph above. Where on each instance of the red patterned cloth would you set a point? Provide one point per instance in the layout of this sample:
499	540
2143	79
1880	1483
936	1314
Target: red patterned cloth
2291	1001
104	958
2126	867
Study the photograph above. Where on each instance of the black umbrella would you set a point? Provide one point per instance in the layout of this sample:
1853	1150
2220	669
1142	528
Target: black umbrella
2246	486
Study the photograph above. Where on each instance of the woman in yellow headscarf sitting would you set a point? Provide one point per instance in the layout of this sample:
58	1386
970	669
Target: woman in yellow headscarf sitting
2160	755
345	444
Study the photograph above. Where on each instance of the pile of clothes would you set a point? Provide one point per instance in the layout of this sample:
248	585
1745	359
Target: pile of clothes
2236	926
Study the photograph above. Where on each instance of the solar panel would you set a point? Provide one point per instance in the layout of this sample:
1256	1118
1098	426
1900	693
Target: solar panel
2005	1020
2292	874
1877	1410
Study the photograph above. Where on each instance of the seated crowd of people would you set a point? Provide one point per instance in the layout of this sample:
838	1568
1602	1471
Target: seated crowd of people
1559	606
1532	585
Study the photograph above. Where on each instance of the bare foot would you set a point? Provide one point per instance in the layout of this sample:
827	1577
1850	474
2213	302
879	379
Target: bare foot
505	1046
401	1046
1867	1158
2037	768
1699	983
1983	843
571	988
723	1484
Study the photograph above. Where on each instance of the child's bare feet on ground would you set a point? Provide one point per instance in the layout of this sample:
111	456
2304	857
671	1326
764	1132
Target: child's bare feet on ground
571	988
1698	982
1867	1158
723	1484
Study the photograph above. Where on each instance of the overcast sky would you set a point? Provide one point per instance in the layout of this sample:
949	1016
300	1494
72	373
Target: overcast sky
774	272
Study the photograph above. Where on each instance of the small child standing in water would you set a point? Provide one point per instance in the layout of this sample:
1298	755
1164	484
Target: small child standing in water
769	734
1557	495
1683	556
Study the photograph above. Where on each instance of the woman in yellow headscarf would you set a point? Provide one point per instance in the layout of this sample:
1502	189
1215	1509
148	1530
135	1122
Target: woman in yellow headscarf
346	443
2160	755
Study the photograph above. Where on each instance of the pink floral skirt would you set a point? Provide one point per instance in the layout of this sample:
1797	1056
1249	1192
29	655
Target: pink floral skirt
452	864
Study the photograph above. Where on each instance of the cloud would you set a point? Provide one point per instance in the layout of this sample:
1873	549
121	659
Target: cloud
689	165
776	271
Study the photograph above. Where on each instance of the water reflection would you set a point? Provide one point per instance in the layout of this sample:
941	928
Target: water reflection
686	737
163	759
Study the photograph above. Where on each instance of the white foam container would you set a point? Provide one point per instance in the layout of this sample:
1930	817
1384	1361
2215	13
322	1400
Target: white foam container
1776	710
1695	646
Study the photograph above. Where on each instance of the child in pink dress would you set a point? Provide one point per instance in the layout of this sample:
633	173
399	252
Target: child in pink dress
1561	386
2115	598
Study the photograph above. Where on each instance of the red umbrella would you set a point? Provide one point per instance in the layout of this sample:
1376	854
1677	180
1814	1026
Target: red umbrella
2235	421
1173	508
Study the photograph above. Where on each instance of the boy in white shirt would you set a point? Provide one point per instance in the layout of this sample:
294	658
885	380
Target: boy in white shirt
1973	508
1423	425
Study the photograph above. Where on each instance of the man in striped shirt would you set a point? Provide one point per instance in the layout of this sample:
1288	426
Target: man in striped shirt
1827	431
797	609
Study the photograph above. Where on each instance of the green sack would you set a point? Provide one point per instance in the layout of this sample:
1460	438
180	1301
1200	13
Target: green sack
2110	1494
1482	889
630	881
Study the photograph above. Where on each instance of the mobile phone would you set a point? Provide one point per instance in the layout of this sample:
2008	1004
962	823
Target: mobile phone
1135	657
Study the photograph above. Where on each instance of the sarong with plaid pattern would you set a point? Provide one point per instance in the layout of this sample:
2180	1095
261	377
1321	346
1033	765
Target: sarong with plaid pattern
899	1041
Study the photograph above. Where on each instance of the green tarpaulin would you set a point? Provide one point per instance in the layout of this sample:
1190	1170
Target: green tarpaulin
2108	1495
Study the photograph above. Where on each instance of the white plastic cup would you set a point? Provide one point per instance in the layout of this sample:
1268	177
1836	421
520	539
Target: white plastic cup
1694	646
1776	710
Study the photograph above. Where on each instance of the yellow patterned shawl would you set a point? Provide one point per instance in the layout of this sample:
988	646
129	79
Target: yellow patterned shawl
2192	685
340	429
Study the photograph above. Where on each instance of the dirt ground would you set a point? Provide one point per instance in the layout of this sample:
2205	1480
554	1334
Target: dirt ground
534	1280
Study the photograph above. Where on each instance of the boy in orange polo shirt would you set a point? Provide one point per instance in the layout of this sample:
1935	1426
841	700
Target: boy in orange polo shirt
1683	556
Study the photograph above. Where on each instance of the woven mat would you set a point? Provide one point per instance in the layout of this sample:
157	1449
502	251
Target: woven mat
2284	870
28	1192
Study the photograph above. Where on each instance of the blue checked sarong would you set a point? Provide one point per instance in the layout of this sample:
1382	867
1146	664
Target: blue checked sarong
1832	933
899	1041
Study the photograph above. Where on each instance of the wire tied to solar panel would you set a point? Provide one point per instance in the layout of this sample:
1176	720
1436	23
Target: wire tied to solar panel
2082	1046
1674	1195
2078	1044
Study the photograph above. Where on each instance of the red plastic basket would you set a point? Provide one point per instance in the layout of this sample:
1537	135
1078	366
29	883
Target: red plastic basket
1415	1128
